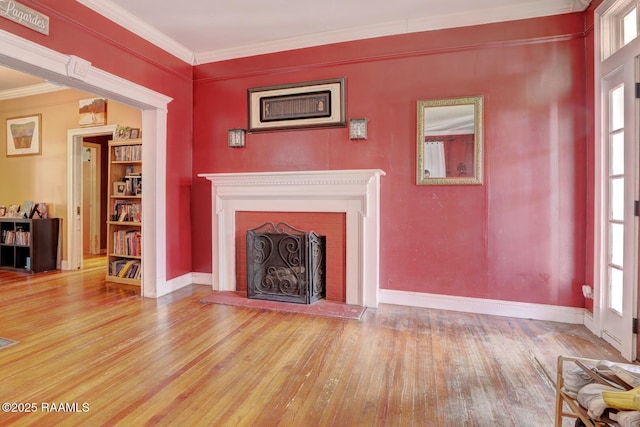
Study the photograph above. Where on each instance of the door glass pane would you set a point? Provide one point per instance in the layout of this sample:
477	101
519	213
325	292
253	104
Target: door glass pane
616	199
629	26
616	159
615	289
617	108
616	242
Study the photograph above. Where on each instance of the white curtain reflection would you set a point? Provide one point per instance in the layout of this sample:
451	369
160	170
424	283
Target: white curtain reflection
434	166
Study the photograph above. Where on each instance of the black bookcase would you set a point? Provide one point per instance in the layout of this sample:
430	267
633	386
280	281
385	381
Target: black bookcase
29	244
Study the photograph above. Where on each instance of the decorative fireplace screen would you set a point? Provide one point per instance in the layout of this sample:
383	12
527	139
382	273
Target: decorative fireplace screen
285	264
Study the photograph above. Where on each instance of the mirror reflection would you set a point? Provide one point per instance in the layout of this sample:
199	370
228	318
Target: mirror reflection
450	141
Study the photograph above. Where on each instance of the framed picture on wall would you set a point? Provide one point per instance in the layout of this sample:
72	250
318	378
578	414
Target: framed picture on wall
92	112
314	104
23	135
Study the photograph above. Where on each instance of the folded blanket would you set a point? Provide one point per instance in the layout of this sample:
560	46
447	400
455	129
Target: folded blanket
626	418
591	398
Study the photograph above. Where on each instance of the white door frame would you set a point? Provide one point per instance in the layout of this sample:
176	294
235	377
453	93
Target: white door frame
74	190
77	73
95	205
625	61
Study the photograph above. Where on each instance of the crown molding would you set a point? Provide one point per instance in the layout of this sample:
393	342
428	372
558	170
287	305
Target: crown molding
132	23
30	90
470	17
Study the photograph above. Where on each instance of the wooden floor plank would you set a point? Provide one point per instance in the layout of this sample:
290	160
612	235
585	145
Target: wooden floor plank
175	361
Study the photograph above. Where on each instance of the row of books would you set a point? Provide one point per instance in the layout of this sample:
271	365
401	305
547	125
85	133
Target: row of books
133	184
127	242
19	237
127	153
125	268
124	211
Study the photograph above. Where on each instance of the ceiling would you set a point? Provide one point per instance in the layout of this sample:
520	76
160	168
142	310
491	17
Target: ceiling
202	31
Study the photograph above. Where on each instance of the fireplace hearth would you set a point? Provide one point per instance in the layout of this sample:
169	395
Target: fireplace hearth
285	264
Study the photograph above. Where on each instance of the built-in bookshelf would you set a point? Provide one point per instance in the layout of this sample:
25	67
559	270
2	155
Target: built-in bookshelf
124	216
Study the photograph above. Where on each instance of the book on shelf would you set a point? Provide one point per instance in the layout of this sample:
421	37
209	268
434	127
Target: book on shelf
23	238
127	153
127	242
133	184
127	211
8	237
127	269
17	237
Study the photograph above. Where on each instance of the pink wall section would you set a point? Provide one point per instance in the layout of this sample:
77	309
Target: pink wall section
520	236
76	30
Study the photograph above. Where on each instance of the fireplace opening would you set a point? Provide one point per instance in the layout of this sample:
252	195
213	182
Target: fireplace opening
285	264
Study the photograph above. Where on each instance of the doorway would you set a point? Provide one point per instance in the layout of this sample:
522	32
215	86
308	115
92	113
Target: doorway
86	221
617	167
27	56
618	226
94	200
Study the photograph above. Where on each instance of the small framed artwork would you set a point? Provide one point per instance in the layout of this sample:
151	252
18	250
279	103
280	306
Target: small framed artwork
312	104
23	135
119	188
92	112
122	133
134	133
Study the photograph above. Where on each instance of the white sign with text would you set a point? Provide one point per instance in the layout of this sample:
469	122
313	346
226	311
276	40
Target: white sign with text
24	15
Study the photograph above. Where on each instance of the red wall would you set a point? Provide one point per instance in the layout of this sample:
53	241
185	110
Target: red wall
76	30
520	236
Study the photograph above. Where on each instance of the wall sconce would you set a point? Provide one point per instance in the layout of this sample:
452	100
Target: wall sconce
358	128
236	138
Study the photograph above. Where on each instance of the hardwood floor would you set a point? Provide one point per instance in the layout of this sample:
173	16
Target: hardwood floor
115	358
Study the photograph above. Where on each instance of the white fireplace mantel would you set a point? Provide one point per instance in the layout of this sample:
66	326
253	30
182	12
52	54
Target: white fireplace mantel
354	192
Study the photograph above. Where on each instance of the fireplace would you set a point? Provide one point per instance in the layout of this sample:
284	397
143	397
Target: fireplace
285	264
353	192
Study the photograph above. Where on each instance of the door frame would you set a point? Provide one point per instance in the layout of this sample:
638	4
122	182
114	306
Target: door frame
77	73
625	61
75	139
95	204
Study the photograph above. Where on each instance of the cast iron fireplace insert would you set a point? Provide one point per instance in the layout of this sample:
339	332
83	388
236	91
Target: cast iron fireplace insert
285	264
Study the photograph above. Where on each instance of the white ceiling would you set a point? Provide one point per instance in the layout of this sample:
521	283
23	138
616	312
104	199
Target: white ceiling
202	31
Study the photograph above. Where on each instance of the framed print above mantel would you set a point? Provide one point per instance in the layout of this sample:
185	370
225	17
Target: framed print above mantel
314	104
23	135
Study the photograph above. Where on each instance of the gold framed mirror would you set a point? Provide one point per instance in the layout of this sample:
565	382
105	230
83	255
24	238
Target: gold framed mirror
449	142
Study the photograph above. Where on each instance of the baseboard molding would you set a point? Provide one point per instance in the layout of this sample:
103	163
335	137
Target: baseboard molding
174	284
589	322
521	310
202	279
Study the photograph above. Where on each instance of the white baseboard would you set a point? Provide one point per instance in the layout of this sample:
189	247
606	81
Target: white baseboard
202	279
590	323
174	284
521	310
